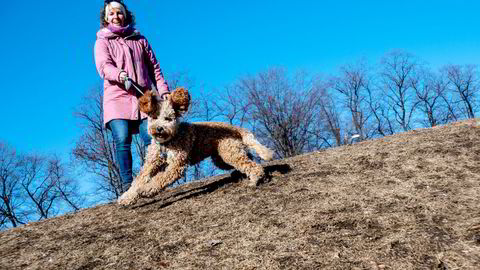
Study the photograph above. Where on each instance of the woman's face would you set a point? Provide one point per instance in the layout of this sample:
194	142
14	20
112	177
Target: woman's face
115	17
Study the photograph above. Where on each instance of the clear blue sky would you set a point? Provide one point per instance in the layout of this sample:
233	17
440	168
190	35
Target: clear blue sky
47	47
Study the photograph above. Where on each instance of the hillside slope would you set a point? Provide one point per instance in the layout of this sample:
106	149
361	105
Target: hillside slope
409	201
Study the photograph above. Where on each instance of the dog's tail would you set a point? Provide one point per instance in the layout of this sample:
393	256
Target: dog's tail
252	143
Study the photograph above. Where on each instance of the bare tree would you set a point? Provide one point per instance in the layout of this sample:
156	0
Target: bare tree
353	84
65	186
204	108
332	124
180	78
11	198
94	150
37	184
432	93
34	187
465	84
381	122
397	70
231	105
282	109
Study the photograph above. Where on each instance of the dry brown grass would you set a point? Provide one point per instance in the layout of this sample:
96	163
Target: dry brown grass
409	201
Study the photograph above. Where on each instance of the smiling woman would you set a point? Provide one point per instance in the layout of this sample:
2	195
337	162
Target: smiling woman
115	7
114	14
122	53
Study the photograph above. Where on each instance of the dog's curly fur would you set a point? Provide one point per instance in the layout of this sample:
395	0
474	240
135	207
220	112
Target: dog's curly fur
187	144
150	103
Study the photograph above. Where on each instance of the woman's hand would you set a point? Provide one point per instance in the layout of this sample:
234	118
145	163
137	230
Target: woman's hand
122	77
166	96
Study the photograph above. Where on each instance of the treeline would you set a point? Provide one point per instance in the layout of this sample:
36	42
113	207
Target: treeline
295	113
34	187
301	112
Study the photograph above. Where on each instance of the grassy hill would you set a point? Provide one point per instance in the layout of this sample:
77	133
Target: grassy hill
408	201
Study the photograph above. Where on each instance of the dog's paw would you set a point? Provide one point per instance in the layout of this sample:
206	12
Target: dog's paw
252	185
127	198
255	180
149	191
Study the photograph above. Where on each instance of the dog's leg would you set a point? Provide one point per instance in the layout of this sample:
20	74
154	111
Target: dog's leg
154	162
177	164
218	161
233	152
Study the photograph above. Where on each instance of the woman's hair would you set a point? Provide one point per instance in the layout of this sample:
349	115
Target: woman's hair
129	18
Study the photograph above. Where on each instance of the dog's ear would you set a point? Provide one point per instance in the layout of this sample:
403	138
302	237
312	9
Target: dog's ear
180	99
148	103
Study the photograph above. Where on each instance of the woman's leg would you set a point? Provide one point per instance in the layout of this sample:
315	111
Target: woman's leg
146	138
122	137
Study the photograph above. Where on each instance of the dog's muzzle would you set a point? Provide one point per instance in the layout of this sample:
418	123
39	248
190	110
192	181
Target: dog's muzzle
158	133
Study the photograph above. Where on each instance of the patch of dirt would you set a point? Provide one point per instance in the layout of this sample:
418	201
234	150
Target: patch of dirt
408	201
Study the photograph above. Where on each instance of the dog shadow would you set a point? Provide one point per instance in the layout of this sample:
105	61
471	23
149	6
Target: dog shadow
209	187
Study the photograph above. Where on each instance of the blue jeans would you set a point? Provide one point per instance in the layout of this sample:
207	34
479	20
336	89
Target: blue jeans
122	131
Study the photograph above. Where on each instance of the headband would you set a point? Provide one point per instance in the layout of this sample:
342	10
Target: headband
113	5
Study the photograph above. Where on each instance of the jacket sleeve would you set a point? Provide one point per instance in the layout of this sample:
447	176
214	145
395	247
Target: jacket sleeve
162	85
104	62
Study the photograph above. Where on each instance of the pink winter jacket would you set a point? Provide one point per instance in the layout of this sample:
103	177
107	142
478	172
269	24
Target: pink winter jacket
133	55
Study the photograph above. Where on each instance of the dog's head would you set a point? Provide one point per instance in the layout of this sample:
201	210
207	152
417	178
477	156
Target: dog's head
164	116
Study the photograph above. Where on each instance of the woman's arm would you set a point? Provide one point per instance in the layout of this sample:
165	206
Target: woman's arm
162	86
104	62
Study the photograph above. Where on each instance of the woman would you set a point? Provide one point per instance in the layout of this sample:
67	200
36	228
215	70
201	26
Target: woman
121	52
